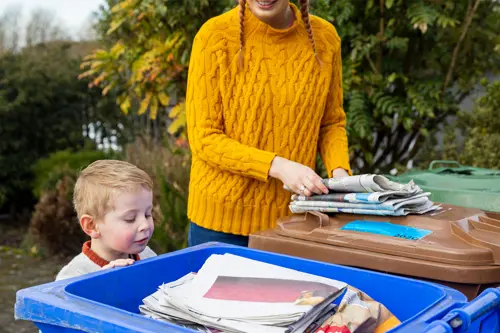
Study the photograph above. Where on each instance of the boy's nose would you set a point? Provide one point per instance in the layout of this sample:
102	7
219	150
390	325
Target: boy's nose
144	224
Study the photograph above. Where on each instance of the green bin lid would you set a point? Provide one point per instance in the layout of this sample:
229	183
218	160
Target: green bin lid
455	184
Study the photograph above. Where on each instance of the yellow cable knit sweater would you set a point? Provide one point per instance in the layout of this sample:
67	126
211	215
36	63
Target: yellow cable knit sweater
280	103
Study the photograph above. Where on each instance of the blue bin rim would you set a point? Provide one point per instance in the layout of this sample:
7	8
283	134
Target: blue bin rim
30	301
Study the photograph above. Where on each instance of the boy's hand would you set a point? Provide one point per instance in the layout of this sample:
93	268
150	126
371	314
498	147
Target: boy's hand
119	263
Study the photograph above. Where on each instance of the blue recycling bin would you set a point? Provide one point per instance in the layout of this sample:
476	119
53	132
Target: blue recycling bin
108	301
480	315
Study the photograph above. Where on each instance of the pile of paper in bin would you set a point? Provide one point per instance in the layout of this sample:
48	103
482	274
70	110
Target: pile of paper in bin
235	294
368	195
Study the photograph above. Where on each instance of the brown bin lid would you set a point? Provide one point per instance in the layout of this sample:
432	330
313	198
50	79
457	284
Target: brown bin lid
459	236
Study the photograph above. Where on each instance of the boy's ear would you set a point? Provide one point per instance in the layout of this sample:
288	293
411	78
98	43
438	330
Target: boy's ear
89	226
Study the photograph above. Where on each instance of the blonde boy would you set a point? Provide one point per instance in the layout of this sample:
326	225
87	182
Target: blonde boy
113	201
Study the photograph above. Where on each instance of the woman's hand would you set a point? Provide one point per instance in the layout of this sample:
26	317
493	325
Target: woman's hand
297	177
339	173
119	263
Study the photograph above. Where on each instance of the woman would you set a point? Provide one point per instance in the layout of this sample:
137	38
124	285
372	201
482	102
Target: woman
264	94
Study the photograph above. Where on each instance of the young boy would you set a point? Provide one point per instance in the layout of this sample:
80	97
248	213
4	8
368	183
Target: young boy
113	201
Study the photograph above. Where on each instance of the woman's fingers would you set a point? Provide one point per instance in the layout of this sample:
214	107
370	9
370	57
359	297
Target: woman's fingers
317	182
312	188
299	178
311	184
301	189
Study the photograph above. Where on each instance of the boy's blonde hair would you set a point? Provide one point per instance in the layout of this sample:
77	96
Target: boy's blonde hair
99	183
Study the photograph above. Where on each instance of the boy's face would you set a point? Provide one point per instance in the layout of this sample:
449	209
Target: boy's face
129	226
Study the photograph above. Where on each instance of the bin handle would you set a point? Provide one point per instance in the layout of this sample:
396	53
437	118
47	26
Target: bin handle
459	320
431	165
324	220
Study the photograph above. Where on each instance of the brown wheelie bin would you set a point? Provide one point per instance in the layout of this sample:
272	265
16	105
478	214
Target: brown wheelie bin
460	247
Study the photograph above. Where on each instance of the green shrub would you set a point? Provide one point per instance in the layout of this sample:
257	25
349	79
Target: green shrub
480	130
171	225
54	224
48	171
168	165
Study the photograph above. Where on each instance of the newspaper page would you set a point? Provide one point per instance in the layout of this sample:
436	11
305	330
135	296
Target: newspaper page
235	294
420	201
239	288
394	204
421	209
169	306
232	294
374	197
367	195
367	183
155	307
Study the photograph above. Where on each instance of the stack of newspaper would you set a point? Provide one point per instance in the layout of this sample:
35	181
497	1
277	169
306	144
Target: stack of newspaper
235	294
366	194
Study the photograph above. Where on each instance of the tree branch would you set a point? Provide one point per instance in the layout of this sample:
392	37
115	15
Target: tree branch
385	151
380	137
465	27
391	143
365	145
381	36
381	134
399	137
415	150
407	145
463	96
372	65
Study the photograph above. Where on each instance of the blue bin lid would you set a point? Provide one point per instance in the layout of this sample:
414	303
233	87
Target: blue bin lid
481	315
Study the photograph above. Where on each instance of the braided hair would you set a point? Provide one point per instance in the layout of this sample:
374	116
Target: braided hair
304	10
243	4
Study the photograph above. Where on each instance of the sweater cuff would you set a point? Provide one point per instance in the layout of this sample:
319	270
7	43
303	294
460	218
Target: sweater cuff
338	159
346	169
259	165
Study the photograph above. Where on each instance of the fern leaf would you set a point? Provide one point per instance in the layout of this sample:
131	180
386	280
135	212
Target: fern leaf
358	119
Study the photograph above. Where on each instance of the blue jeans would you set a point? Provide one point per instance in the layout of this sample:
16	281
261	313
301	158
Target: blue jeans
199	235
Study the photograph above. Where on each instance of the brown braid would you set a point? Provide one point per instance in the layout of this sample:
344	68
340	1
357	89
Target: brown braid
242	19
304	10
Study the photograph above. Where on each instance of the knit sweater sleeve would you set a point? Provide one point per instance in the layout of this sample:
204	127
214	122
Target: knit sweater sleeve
333	145
79	265
207	137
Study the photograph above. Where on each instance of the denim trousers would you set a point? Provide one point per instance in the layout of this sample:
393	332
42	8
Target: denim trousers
199	235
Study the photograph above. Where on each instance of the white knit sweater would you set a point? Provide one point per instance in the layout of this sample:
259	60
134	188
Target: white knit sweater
81	264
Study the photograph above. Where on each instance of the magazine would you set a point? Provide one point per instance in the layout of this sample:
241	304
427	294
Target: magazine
232	294
239	288
359	313
235	294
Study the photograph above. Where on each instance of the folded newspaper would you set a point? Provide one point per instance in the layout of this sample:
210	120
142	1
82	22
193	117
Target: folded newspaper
366	194
238	295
